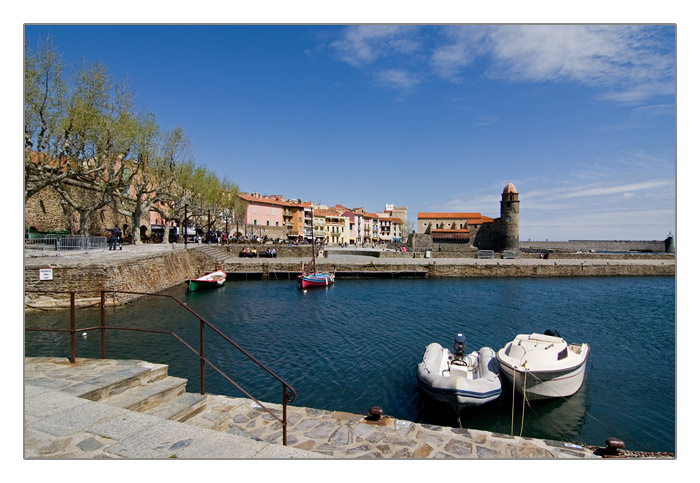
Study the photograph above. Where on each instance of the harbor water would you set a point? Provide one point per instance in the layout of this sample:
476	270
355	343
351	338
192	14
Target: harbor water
357	343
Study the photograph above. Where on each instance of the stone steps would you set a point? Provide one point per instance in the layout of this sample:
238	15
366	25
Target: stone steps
152	392
181	408
115	382
148	396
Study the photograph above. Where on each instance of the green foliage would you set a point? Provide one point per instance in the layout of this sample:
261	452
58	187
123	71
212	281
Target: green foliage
86	134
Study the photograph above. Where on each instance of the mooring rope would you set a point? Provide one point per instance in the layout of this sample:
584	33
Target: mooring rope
512	405
522	419
590	415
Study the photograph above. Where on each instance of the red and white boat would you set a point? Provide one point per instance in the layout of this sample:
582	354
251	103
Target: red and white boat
313	278
316	279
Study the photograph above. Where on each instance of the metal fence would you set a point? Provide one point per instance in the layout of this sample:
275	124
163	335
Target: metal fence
53	244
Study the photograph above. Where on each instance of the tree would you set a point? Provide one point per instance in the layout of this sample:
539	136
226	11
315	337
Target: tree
100	133
44	110
159	156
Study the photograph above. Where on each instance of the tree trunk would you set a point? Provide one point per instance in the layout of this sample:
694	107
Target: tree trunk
85	222
136	223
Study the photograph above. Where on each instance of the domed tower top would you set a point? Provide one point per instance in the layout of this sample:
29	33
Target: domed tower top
510	188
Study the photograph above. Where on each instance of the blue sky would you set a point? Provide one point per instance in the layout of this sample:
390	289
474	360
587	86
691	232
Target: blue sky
581	118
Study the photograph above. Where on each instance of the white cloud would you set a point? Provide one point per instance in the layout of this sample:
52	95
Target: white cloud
631	62
361	45
395	78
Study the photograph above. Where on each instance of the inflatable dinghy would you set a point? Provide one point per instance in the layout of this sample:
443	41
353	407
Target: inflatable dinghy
457	378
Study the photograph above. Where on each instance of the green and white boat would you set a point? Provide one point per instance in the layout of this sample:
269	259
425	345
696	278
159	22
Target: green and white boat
210	280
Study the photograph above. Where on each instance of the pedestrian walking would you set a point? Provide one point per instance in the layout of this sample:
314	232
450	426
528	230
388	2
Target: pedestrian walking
115	233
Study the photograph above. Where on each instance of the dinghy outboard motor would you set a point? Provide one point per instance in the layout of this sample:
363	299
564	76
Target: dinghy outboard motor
460	345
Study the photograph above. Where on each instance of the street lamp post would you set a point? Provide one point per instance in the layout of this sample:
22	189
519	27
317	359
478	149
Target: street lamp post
185	225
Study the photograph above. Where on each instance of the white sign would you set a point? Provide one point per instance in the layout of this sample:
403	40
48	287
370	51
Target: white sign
45	274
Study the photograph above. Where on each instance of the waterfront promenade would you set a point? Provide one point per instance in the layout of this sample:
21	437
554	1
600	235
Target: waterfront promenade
337	257
130	409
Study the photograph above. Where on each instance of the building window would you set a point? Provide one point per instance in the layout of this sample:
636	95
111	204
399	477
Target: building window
277	223
255	210
255	222
267	223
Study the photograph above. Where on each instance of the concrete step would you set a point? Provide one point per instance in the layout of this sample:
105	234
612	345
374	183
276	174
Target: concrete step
181	408
142	398
120	380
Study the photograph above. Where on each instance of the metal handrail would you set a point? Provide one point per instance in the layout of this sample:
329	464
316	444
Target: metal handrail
289	394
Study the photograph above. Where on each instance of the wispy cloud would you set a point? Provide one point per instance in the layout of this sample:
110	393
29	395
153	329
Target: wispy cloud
396	78
630	63
361	45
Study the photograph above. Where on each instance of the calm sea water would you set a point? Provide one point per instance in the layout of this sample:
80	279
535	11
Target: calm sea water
357	345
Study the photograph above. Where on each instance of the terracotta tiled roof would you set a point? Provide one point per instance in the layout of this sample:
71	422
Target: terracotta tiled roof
451	216
472	218
269	201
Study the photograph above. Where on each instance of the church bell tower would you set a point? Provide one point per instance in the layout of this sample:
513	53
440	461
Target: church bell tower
510	217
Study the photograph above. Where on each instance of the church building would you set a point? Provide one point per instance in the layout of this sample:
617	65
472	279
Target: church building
474	229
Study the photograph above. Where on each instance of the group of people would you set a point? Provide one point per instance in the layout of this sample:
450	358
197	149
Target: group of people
253	252
248	252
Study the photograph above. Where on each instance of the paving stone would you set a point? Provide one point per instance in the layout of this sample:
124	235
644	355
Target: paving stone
429	436
341	436
325	448
306	445
484	452
459	448
54	446
50	403
71	421
402	453
306	424
422	452
322	431
240	418
124	425
89	444
526	451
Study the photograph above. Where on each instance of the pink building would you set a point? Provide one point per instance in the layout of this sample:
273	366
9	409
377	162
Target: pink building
264	210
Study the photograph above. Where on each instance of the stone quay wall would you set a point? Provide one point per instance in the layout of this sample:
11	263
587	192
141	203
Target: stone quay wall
497	268
148	274
597	245
155	272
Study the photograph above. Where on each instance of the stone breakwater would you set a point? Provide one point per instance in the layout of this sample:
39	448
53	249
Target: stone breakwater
154	268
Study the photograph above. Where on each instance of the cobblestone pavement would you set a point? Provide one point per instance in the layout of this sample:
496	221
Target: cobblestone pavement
345	435
67	414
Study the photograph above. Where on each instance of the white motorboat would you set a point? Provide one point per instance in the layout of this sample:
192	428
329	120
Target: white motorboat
458	379
543	365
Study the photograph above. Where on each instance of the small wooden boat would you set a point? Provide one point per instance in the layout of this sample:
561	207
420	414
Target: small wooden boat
316	279
543	366
459	379
313	278
210	280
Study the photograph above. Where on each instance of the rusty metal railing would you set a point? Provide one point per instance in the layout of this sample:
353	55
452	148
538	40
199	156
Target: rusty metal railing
289	394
